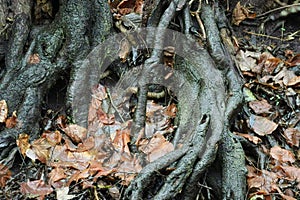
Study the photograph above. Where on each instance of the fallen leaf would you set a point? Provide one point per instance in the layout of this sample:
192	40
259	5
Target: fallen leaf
23	143
251	138
261	125
157	147
37	188
240	13
292	136
56	174
282	155
260	107
294	61
12	121
3	111
5	175
263	182
41	148
246	60
121	140
171	110
293	81
76	133
62	194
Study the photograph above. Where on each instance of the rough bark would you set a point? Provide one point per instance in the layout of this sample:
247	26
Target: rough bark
207	78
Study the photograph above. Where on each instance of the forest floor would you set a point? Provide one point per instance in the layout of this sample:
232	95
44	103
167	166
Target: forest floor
267	38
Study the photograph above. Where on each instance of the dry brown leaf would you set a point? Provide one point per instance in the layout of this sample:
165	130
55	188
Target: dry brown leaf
62	194
36	188
246	61
260	107
157	147
251	138
171	111
282	155
12	121
240	13
53	138
3	111
261	125
261	181
76	133
5	175
292	136
41	148
56	174
293	81
121	140
128	6
270	65
294	61
23	143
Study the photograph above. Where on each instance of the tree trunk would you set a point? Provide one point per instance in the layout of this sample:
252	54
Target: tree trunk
208	86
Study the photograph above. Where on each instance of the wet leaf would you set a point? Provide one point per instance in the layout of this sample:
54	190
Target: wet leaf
261	125
240	13
36	188
282	155
5	175
23	143
3	111
292	136
260	107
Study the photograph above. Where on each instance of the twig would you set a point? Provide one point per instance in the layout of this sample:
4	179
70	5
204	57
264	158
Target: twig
263	35
276	9
113	105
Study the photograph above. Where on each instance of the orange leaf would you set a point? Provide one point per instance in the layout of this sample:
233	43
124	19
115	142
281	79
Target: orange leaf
22	143
12	121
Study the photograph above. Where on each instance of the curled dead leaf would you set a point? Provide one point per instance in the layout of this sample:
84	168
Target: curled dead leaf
240	13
